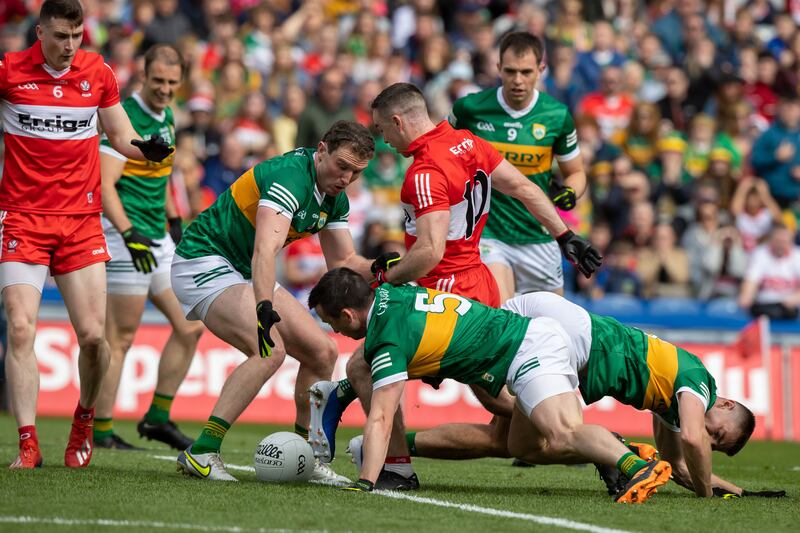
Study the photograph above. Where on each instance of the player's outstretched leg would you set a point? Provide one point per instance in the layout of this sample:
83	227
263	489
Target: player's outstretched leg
328	401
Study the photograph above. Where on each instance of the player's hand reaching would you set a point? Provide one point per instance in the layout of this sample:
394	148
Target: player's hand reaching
727	495
362	485
154	148
579	252
382	263
266	316
562	196
141	250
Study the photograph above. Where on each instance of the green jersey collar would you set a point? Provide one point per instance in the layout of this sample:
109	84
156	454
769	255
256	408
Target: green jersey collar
146	108
513	113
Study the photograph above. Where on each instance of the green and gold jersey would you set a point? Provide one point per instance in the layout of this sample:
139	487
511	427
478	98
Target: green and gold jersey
529	139
288	184
643	371
142	188
414	332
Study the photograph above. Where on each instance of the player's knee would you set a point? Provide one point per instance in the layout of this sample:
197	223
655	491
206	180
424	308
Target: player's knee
20	332
356	368
189	333
329	355
91	339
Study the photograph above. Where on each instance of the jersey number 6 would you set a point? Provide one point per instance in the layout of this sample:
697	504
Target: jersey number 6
476	193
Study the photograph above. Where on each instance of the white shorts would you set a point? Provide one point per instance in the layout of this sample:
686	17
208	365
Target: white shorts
574	319
541	368
122	276
537	267
12	273
198	282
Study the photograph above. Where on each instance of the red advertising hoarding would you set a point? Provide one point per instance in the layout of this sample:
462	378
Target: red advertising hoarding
755	380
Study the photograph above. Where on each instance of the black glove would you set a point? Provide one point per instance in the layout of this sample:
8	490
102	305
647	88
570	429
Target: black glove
579	252
563	196
175	229
764	493
382	263
267	316
362	485
140	248
154	148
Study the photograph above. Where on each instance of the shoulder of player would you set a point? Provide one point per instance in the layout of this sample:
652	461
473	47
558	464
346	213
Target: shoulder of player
288	170
470	102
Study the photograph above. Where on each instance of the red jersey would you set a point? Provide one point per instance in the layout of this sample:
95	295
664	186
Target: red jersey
50	122
451	171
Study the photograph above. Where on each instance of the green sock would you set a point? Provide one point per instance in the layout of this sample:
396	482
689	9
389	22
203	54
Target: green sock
211	437
103	428
411	436
630	464
346	393
300	430
159	409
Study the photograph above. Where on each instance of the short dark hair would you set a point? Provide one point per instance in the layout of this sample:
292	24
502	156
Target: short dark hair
70	10
399	99
165	53
351	134
747	425
340	288
520	42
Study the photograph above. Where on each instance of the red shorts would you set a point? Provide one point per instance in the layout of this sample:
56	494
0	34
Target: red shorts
476	283
65	243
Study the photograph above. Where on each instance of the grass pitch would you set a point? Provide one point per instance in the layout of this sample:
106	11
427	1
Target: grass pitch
127	491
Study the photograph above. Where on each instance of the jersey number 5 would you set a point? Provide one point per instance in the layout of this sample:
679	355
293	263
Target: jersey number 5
476	193
437	304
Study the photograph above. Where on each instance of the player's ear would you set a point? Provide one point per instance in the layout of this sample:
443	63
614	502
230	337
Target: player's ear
322	147
725	404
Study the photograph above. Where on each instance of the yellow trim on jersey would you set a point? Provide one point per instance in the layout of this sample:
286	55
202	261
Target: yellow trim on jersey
527	159
295	235
662	361
436	338
246	195
148	169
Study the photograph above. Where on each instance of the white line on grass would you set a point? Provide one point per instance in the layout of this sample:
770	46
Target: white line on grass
141	523
545	520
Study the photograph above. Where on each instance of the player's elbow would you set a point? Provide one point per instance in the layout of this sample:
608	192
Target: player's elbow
693	440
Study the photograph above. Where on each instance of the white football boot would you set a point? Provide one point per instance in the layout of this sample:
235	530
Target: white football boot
203	465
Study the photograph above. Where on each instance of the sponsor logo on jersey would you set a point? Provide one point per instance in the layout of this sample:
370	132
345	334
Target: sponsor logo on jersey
528	159
463	147
85	86
539	131
485	126
383	300
31	123
28	87
517	125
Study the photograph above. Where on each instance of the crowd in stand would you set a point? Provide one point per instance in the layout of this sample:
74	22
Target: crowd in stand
687	114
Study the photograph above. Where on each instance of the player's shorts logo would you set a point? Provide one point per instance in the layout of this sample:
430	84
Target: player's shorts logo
539	131
12	246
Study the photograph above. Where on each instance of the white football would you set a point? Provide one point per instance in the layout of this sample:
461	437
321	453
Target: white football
284	457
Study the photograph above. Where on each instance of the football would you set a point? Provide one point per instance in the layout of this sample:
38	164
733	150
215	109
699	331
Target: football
284	457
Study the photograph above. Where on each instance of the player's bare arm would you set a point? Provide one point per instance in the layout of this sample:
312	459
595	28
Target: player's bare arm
385	401
339	251
272	229
574	175
669	447
695	444
117	126
426	252
110	172
508	180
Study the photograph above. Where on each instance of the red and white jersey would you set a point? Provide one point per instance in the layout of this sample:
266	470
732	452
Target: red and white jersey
50	122
776	277
452	170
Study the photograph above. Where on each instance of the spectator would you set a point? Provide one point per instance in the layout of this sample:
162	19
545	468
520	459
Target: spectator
560	83
618	274
225	168
610	107
303	265
761	93
676	106
640	140
772	283
327	108
663	267
253	128
755	211
776	153
167	26
284	127
207	139
590	64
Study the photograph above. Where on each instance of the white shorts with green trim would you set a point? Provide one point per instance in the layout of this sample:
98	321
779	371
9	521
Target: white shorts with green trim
123	278
542	367
537	267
